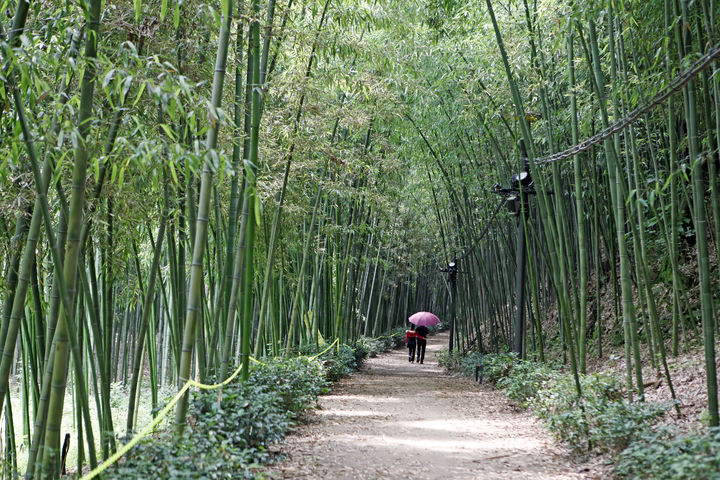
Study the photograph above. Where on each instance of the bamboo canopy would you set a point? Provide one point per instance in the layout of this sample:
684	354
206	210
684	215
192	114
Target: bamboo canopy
185	185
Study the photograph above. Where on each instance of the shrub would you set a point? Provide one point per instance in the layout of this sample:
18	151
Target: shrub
600	419
365	347
165	457
227	435
450	360
524	380
663	455
223	440
297	380
338	362
443	325
458	362
247	417
497	366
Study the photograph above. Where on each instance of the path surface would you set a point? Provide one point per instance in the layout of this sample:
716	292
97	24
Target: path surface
399	420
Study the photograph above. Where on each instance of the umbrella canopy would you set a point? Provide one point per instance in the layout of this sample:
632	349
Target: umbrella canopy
424	318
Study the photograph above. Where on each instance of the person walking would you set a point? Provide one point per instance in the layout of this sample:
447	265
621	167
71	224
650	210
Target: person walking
410	337
421	333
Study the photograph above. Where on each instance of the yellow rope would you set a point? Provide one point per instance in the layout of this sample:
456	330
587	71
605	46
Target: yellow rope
159	418
166	409
325	351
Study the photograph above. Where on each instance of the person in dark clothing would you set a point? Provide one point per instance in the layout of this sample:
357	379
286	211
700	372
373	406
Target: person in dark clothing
410	337
422	333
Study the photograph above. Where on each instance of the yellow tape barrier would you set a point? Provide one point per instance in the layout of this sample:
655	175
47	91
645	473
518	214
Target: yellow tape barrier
325	351
163	413
156	421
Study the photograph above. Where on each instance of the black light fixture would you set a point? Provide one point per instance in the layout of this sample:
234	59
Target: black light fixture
522	178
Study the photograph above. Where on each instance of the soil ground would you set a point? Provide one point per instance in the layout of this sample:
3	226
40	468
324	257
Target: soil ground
395	419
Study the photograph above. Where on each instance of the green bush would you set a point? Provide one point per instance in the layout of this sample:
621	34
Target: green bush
497	366
227	434
443	325
664	455
298	380
166	457
222	440
524	380
457	362
450	360
600	419
398	337
338	362
247	417
365	347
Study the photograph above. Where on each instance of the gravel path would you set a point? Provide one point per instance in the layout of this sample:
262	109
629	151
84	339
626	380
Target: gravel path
394	419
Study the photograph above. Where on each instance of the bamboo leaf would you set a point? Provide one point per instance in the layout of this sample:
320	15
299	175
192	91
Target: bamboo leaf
173	173
126	85
163	10
121	176
139	95
108	78
168	131
258	210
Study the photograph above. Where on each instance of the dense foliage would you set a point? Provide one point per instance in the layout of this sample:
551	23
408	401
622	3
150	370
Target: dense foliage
670	455
599	419
185	184
229	431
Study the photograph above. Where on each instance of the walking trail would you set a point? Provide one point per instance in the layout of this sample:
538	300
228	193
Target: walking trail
395	419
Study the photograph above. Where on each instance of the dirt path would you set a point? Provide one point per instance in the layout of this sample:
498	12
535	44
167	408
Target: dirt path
395	419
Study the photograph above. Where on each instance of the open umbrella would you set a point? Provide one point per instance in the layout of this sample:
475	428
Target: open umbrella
424	318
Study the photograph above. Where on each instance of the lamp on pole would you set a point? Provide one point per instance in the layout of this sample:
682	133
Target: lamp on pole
517	195
451	270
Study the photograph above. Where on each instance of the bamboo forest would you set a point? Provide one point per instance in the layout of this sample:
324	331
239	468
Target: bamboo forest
217	217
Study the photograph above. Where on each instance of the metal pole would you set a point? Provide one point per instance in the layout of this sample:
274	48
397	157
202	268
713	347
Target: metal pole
520	280
452	269
520	265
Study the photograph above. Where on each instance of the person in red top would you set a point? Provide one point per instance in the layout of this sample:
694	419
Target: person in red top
410	337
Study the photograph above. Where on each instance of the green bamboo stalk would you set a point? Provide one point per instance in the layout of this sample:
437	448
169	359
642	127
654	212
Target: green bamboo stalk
75	220
579	206
301	274
700	221
251	169
200	238
21	227
143	336
235	193
616	199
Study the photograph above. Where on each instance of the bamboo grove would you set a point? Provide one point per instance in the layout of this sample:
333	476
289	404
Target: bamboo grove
185	185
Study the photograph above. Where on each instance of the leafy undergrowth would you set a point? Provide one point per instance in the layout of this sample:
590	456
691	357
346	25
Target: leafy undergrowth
663	454
228	434
600	420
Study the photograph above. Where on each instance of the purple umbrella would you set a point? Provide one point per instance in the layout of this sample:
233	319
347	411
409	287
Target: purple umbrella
424	318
